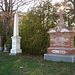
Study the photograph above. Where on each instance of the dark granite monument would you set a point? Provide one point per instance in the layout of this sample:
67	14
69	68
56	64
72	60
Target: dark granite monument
61	42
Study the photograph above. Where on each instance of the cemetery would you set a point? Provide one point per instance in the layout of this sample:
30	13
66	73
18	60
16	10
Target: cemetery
40	41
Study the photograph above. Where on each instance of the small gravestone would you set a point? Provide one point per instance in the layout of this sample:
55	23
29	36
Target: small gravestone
5	48
61	42
15	38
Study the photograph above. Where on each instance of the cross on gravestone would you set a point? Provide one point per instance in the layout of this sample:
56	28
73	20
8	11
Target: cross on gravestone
60	13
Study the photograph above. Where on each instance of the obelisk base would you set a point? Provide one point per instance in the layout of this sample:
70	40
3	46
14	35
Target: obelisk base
15	45
15	52
57	57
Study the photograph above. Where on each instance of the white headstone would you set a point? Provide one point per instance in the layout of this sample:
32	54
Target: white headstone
15	38
5	48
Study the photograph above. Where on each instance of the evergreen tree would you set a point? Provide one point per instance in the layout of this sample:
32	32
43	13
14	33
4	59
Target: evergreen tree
34	27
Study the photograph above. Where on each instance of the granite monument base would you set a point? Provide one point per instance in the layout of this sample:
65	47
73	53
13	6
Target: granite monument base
57	57
15	52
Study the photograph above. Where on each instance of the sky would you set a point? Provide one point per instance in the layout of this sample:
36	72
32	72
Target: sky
54	1
31	5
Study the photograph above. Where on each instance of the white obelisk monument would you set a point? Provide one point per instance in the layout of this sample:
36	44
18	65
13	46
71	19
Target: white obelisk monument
15	38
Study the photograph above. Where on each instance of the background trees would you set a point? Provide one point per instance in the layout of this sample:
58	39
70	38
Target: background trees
38	20
69	16
70	12
72	3
8	8
34	27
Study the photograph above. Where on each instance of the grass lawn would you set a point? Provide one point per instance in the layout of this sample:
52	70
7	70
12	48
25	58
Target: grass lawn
33	65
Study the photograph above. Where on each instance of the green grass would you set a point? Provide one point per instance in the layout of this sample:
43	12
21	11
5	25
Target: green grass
11	65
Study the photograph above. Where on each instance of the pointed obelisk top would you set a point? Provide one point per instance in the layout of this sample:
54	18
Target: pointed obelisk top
60	13
16	28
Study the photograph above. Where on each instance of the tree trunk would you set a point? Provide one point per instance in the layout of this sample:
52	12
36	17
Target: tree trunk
74	8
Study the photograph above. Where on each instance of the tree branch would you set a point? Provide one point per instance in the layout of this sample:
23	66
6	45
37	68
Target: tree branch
70	1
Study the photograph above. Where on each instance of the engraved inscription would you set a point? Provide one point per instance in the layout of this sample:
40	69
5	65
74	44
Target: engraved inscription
59	41
13	43
13	51
13	46
18	41
59	51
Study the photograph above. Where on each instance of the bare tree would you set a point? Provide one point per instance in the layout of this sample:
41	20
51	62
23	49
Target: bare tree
73	2
70	2
69	6
8	7
71	12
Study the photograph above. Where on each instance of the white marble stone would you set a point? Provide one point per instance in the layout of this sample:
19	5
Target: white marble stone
16	27
15	38
64	30
5	48
59	51
52	31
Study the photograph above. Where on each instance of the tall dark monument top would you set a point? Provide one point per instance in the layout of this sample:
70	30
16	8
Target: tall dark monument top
60	13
